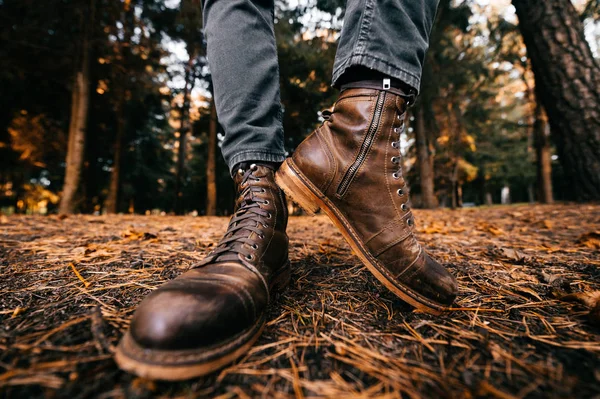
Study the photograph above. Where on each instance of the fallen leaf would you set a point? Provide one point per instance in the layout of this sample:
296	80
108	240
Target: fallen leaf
431	230
590	240
591	299
132	234
555	281
511	254
491	229
547	224
495	231
78	250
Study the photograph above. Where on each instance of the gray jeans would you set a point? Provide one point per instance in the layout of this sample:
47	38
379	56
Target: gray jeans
389	36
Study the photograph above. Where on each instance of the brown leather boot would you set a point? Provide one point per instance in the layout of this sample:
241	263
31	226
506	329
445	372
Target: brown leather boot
350	168
213	313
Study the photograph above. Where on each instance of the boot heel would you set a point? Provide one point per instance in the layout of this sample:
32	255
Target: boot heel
291	184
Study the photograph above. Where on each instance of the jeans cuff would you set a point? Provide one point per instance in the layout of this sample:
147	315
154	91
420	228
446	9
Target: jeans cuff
255	155
372	62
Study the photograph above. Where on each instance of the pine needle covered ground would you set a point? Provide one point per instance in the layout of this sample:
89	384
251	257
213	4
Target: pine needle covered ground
529	324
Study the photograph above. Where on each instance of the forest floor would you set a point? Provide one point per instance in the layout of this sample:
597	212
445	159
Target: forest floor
529	288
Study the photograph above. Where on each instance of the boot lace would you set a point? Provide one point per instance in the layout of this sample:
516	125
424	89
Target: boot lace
249	218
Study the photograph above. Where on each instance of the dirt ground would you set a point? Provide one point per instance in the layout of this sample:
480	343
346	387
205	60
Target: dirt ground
527	322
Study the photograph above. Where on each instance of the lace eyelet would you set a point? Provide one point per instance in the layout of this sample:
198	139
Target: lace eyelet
261	236
398	117
400	192
262	190
254	246
253	166
410	222
250	257
395	160
395	130
394	144
395	175
404	207
266	202
269	216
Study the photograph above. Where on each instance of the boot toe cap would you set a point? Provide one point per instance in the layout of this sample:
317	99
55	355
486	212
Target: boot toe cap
180	318
432	281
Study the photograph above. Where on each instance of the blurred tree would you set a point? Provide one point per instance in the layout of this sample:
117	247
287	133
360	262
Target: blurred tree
568	84
79	115
306	51
129	90
541	137
51	35
189	29
449	21
122	31
424	160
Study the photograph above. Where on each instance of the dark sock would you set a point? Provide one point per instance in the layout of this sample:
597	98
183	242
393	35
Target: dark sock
361	76
246	164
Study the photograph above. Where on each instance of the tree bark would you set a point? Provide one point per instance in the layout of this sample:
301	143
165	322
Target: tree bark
77	128
183	130
112	201
211	163
568	85
424	161
541	138
454	186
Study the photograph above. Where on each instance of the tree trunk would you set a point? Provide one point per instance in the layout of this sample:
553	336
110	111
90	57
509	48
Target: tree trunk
77	128
425	161
183	130
123	89
112	201
541	133
454	187
568	85
211	163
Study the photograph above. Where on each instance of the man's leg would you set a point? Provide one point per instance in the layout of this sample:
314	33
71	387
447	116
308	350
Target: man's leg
242	56
213	313
350	167
384	38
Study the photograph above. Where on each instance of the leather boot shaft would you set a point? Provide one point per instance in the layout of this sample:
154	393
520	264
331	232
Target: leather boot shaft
212	314
351	168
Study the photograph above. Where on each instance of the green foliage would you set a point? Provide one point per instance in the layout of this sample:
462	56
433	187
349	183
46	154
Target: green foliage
474	95
305	69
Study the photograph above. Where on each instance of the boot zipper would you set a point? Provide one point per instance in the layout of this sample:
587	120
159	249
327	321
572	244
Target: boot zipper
364	148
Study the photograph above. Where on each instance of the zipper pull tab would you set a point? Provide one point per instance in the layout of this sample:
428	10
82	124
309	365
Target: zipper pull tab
387	83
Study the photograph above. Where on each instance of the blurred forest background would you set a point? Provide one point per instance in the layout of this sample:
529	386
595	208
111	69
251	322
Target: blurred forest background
106	104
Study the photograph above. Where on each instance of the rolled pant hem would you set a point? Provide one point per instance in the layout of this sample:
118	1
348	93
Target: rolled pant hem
380	65
255	155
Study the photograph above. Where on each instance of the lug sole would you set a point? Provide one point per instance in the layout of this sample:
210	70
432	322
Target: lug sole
297	186
176	372
183	365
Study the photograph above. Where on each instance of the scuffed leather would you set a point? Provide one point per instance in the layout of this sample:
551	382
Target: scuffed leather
380	217
218	299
